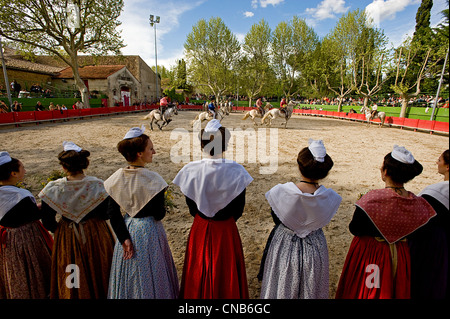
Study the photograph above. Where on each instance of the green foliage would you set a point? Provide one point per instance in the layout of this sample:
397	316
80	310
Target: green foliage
43	26
54	175
212	53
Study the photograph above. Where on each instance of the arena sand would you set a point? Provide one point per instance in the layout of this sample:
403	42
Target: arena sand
357	151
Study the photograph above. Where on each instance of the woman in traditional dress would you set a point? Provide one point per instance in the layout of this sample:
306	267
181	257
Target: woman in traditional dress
378	263
295	261
430	248
139	192
84	243
25	246
214	266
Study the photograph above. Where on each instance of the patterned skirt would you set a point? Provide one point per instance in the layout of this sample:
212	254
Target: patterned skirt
296	268
151	272
81	259
25	261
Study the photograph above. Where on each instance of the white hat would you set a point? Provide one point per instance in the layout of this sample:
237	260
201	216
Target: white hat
134	132
401	154
317	149
71	146
213	126
4	158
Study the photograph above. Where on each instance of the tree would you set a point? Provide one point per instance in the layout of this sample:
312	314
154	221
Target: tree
293	45
255	63
342	49
181	75
406	78
212	53
370	62
64	28
422	31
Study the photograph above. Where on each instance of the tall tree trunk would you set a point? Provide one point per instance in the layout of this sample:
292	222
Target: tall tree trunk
404	105
80	83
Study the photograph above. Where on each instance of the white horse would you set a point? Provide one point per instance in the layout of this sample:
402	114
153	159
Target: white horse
226	107
155	115
255	113
379	115
206	116
274	113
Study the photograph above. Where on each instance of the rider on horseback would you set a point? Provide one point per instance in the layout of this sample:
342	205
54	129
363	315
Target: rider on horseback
212	108
283	108
374	111
259	106
163	103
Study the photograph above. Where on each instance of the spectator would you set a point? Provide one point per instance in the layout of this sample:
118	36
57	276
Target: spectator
16	107
39	106
3	107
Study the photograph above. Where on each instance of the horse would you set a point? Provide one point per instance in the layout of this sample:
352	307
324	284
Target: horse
379	115
207	116
255	112
226	107
155	115
274	113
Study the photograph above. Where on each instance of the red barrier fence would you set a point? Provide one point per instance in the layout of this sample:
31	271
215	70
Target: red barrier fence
415	124
18	118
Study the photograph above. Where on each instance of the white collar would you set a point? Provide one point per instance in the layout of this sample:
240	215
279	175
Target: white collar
440	191
74	199
212	183
132	189
301	212
10	196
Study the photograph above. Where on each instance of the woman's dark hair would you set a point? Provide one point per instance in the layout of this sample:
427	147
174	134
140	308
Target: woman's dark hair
73	161
312	169
131	146
446	156
7	168
401	172
211	141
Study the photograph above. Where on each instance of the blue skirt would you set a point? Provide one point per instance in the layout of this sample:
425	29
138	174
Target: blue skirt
151	272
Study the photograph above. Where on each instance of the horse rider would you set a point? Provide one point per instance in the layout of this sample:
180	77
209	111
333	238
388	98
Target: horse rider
163	103
259	106
283	107
212	108
374	111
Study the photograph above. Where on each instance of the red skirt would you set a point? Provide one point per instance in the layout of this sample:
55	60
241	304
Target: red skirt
374	270
214	266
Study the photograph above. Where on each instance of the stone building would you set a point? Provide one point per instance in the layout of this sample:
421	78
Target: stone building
134	76
134	63
114	81
26	73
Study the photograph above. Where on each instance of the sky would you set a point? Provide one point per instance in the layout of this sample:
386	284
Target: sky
395	17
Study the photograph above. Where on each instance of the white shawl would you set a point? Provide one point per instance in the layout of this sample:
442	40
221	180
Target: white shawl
439	191
10	196
74	199
212	183
301	212
132	189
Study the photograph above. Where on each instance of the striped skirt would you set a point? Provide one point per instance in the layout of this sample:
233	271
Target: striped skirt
81	259
151	272
25	261
296	268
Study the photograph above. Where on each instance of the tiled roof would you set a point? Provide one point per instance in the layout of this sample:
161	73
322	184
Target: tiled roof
24	65
91	72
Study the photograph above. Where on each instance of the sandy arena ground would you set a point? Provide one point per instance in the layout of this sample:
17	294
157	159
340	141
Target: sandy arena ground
357	151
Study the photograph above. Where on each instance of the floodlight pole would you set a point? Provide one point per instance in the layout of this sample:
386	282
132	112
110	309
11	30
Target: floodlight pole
439	88
153	24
